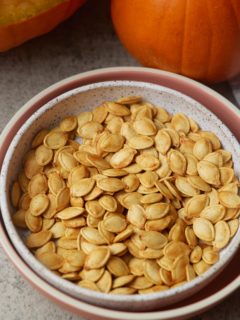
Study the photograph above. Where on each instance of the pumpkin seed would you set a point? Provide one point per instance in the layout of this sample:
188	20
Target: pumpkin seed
144	127
196	254
208	172
163	141
51	260
15	194
51	210
84	117
196	205
216	144
87	284
55	183
33	223
97	258
151	272
129	100
190	273
36	240
153	239
202	148
117	109
136	216
89	129
19	218
123	235
117	267
185	187
99	114
82	188
203	229
140	142
141	283
213	213
107	235
191	164
118	248
222	234
114	224
201	267
123	290
179	268
229	199
157	210
92	274
190	237
180	123
68	268
23	181
43	155
210	255
175	249
129	199
105	283
233	226
151	198
147	162
38	139
110	184
148	179
92	235
69	213
158	224
131	182
39	204
55	139
62	198
177	162
38	184
122	158
68	124
108	203
215	158
66	243
199	183
48	247
31	167
166	276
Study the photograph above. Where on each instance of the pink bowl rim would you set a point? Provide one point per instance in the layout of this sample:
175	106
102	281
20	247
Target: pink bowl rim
69	81
184	289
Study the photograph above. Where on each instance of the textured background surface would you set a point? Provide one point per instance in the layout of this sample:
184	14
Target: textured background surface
75	46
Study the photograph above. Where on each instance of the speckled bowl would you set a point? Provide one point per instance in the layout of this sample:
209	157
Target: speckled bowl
83	98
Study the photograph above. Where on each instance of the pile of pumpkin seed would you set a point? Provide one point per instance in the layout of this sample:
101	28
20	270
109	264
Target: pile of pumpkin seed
144	203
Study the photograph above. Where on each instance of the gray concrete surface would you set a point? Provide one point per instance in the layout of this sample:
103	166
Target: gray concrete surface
75	46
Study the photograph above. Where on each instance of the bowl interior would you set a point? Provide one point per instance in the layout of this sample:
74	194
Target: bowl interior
84	99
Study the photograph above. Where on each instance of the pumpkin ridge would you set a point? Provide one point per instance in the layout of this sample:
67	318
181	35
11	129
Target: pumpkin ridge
234	13
208	64
184	35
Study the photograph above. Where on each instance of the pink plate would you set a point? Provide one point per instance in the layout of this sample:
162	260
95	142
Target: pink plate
229	114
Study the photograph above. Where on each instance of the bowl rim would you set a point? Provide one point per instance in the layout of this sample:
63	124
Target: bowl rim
66	285
131	73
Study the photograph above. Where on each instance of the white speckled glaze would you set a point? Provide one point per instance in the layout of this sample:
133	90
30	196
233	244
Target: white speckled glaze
82	99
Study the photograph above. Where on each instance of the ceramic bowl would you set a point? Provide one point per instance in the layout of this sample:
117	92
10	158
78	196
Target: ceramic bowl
88	96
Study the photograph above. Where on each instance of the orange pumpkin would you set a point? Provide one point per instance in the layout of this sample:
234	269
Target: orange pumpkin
196	38
21	20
